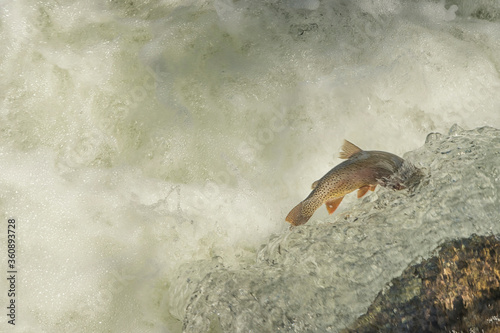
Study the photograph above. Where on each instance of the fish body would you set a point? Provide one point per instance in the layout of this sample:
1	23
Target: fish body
362	171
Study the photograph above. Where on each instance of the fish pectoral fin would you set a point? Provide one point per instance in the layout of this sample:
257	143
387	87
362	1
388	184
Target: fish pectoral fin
348	149
362	190
331	205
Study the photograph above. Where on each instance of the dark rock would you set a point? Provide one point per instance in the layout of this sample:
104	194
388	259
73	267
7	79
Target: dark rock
456	291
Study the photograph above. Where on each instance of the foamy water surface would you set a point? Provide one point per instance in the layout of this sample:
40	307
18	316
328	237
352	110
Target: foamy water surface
138	138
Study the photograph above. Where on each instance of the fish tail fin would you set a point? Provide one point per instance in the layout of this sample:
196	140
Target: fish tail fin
296	217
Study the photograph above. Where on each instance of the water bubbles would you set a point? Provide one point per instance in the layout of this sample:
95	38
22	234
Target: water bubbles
335	278
433	137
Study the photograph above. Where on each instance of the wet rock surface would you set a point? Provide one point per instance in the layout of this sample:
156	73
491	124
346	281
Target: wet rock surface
456	291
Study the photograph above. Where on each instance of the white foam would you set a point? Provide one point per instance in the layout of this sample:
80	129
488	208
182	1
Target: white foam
308	4
138	137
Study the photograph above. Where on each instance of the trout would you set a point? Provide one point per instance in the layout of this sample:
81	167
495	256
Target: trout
362	171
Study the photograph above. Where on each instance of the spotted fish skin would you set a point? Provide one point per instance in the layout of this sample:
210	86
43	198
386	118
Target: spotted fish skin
362	171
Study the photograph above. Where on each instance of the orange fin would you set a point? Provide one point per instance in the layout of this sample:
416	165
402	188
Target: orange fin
348	150
331	205
372	187
362	190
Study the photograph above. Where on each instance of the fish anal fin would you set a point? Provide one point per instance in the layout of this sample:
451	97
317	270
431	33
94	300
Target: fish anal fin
314	185
362	190
332	205
349	149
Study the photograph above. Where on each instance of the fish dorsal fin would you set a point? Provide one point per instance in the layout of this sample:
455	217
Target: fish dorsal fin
348	149
313	186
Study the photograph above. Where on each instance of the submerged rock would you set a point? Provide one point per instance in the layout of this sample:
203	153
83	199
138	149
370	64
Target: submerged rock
456	291
321	276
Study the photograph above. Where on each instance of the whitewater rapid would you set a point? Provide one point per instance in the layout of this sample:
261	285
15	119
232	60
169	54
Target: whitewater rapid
141	139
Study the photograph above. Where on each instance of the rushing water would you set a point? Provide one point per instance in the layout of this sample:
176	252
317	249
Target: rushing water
320	277
144	144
